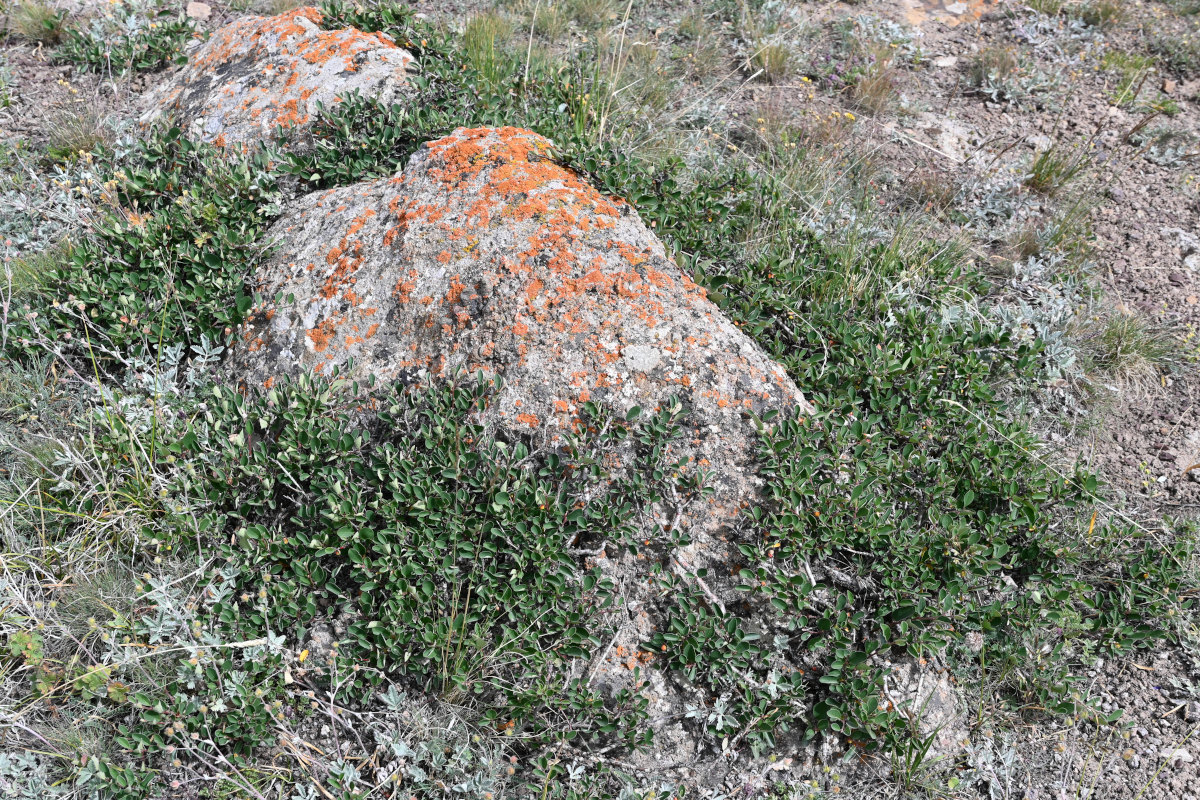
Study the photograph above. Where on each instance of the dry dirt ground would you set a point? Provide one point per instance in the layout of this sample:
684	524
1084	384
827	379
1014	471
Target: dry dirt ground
1142	435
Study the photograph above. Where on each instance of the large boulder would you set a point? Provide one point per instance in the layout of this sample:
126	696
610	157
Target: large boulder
259	73
484	254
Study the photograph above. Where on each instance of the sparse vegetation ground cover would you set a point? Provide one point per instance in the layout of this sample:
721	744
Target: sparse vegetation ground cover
200	584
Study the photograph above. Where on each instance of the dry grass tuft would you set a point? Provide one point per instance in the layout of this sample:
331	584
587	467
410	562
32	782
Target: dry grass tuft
929	190
1055	167
876	90
1051	8
1103	14
593	14
772	62
993	65
76	131
37	22
27	274
1130	348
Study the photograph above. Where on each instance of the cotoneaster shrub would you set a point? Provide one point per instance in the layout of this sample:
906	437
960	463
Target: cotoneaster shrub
452	559
451	552
129	39
909	511
165	263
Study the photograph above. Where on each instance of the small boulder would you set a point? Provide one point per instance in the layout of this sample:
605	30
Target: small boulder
200	11
927	698
486	255
260	73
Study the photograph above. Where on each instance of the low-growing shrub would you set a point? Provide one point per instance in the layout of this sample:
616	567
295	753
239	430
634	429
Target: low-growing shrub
910	511
451	552
911	447
1179	53
1101	13
167	264
129	40
928	407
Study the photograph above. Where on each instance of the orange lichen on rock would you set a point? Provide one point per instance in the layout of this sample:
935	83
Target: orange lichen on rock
258	74
322	335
